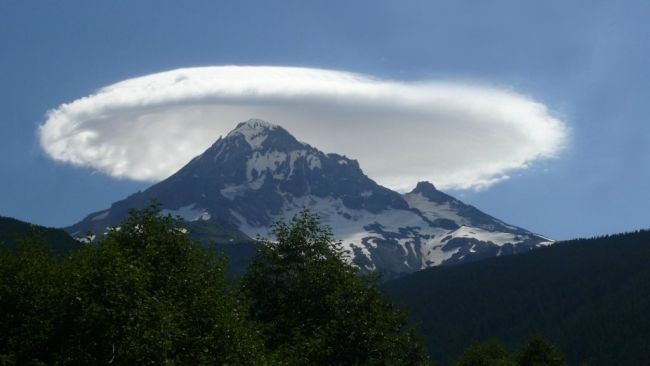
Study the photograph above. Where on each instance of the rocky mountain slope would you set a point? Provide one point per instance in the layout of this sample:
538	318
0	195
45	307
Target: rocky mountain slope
260	173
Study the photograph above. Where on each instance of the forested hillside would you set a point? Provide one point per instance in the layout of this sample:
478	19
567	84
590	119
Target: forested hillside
12	231
149	294
590	297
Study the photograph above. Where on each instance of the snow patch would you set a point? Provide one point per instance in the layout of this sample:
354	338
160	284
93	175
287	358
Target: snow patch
255	131
101	216
350	226
313	162
262	163
364	231
86	239
432	210
231	191
188	213
257	183
248	229
498	238
293	157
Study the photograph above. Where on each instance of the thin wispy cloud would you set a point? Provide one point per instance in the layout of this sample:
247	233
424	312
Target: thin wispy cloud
456	135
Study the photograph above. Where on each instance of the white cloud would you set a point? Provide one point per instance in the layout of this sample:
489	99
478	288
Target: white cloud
455	135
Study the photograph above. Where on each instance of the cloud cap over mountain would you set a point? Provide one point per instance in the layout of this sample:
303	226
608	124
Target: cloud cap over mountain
456	135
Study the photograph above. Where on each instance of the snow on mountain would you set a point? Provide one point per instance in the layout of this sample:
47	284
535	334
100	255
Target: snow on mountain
254	131
434	210
188	213
260	173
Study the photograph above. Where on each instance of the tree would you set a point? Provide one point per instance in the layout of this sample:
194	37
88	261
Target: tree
144	294
486	354
539	352
30	281
536	352
315	309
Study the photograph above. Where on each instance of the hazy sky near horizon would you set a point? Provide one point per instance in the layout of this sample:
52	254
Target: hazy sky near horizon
585	62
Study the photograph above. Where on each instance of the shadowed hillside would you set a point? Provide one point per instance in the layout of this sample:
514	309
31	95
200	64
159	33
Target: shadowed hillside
589	296
12	231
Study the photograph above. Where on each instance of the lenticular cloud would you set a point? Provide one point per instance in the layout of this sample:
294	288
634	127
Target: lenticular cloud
454	135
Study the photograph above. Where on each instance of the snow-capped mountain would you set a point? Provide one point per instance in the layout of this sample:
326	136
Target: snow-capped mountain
260	173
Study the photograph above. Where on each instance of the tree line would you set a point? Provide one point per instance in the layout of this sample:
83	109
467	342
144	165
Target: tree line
590	297
146	293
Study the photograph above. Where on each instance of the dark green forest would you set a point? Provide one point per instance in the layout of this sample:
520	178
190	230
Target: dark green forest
12	231
148	294
590	297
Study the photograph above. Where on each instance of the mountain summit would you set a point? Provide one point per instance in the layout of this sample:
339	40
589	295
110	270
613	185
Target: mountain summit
254	131
259	173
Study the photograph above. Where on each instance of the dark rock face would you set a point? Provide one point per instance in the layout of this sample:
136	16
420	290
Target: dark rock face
259	173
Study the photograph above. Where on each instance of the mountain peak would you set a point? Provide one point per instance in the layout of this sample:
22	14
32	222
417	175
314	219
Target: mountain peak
255	124
255	131
260	173
428	190
424	186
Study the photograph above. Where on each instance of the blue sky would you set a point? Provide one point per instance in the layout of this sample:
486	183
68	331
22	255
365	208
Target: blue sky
586	61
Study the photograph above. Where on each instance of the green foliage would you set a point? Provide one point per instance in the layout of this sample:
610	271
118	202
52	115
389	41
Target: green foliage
539	352
590	297
145	294
13	231
536	352
30	284
313	307
486	354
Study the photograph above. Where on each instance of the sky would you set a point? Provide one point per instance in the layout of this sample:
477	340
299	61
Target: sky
535	112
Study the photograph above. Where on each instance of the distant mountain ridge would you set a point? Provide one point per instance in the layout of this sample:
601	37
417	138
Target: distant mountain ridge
259	173
12	231
590	297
